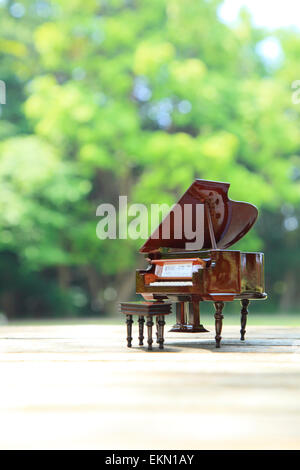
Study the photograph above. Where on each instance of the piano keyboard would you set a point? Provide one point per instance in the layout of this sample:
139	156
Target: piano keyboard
171	283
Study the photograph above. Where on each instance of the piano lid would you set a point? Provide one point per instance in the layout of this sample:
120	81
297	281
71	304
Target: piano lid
230	220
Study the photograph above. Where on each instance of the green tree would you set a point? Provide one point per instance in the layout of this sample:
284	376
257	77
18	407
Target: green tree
136	97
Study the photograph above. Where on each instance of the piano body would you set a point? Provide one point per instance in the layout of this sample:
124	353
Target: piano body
210	272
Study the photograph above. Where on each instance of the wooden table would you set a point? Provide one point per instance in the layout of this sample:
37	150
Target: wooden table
81	387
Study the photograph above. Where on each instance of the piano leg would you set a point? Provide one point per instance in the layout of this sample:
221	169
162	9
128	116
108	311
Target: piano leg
194	313
141	330
180	317
160	331
180	313
218	321
194	325
129	322
149	327
244	313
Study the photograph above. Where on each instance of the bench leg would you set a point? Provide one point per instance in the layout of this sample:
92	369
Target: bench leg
218	322
160	331
129	322
149	328
141	330
244	313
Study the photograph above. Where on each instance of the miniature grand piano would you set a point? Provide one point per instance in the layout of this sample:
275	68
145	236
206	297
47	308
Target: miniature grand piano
209	272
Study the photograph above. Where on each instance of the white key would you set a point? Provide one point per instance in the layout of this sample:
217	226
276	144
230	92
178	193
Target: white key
171	283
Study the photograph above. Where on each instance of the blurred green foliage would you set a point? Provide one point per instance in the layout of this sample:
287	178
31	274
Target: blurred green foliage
136	97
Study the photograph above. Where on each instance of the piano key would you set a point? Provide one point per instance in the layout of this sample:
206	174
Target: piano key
171	283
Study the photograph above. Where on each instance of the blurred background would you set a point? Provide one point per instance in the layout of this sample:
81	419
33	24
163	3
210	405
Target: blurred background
138	97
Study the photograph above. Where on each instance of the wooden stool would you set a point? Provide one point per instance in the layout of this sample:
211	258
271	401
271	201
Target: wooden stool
148	310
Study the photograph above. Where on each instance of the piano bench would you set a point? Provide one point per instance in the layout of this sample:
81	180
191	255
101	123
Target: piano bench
148	310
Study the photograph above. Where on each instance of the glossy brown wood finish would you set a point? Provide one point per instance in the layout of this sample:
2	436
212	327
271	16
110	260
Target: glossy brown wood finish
149	327
160	331
228	220
192	323
223	278
244	313
156	310
252	272
181	317
227	275
141	330
180	313
218	322
129	322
